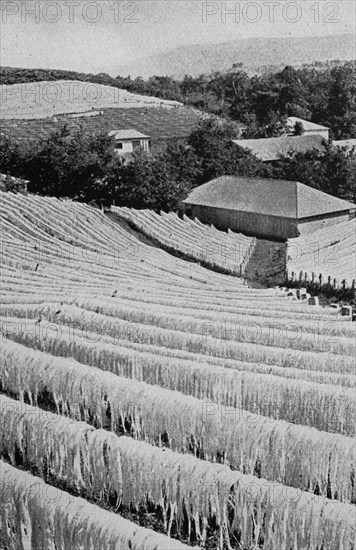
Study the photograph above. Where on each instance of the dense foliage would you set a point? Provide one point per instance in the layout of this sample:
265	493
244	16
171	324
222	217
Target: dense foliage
86	168
212	144
324	93
332	172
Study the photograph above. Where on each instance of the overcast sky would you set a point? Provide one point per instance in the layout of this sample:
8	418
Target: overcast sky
99	36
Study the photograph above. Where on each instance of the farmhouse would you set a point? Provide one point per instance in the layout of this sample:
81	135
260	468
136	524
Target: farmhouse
272	149
309	128
129	141
266	208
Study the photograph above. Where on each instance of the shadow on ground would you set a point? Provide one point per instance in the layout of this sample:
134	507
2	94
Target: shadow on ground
266	266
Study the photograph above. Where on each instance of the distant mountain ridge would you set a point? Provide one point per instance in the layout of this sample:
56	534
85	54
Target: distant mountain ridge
254	53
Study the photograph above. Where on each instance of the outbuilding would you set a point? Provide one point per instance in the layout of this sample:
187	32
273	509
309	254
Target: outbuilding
266	208
308	128
272	149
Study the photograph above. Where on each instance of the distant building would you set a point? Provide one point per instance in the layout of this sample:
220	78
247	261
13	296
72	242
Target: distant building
347	145
129	141
309	128
266	208
271	149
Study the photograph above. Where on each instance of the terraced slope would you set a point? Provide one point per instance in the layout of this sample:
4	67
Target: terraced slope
330	252
228	252
138	384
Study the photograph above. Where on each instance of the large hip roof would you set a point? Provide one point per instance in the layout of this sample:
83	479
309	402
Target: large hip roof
287	199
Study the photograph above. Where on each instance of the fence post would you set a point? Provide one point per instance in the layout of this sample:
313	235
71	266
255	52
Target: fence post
313	277
321	280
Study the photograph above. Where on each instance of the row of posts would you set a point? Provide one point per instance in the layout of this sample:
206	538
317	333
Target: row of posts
320	280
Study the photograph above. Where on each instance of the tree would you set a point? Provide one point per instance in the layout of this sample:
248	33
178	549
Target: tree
298	128
71	164
332	172
13	157
157	183
212	144
182	163
342	101
292	97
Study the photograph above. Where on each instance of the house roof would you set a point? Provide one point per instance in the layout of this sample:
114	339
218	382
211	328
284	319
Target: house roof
268	149
307	125
287	199
130	133
348	143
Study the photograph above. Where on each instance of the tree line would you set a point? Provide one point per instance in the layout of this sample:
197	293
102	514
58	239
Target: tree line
85	167
324	93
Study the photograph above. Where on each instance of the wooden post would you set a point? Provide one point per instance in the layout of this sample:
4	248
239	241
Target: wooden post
335	283
329	280
293	276
306	277
301	276
313	277
321	280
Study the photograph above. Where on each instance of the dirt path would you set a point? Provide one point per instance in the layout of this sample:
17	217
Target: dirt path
267	264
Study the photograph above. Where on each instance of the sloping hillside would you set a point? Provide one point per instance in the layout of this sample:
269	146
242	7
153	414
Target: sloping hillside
38	100
225	252
159	123
330	252
137	386
254	53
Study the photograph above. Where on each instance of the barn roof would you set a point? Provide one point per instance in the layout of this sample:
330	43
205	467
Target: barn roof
307	125
287	199
268	149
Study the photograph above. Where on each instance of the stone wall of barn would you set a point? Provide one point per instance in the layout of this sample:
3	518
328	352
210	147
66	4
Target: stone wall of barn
248	223
263	226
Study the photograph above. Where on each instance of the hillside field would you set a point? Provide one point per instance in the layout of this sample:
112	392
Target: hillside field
161	123
329	252
37	100
148	402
